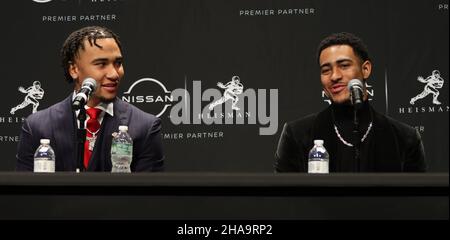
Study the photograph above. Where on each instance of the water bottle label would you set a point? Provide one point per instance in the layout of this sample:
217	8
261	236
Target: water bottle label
122	149
317	166
121	157
44	165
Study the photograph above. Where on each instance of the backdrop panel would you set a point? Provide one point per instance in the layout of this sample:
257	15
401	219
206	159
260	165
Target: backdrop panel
177	51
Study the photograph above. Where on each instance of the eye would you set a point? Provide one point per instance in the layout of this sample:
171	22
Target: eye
325	71
345	64
100	64
118	63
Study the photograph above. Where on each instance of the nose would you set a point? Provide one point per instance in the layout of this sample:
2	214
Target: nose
113	73
336	75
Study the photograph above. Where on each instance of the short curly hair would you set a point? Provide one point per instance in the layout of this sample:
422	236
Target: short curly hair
75	42
345	38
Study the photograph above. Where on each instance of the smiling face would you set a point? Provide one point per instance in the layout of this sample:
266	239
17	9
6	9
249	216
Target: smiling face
338	65
104	64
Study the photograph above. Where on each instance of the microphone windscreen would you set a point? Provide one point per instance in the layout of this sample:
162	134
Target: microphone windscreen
355	83
89	82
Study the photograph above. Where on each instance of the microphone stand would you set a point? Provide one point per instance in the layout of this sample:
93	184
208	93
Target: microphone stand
81	138
356	138
87	87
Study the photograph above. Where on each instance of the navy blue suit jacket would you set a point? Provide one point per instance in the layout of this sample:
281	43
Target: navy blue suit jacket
58	124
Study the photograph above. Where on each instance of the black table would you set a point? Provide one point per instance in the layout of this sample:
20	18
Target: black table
224	196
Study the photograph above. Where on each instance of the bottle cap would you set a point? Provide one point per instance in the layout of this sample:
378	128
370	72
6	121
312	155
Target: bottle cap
318	142
123	128
45	141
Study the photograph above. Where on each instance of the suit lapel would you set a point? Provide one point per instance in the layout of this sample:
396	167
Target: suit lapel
121	112
63	128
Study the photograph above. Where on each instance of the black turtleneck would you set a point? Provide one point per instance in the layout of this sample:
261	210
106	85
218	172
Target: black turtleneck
390	146
343	119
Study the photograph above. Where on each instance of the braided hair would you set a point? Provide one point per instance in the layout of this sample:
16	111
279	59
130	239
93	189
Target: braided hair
75	42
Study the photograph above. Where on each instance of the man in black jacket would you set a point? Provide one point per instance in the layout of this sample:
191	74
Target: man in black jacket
382	143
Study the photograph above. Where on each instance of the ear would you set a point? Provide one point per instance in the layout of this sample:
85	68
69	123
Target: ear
366	69
73	70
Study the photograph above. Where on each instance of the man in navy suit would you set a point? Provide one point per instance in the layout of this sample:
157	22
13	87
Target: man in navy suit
92	52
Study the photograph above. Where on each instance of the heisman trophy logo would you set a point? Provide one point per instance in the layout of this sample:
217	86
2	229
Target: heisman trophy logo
33	93
232	89
432	84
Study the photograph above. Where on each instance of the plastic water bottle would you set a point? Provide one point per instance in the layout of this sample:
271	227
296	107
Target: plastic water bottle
44	157
318	158
121	151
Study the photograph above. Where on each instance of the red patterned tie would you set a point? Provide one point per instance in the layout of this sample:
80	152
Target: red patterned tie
92	128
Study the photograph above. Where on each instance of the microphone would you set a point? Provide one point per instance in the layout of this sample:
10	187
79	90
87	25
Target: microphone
87	88
355	86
